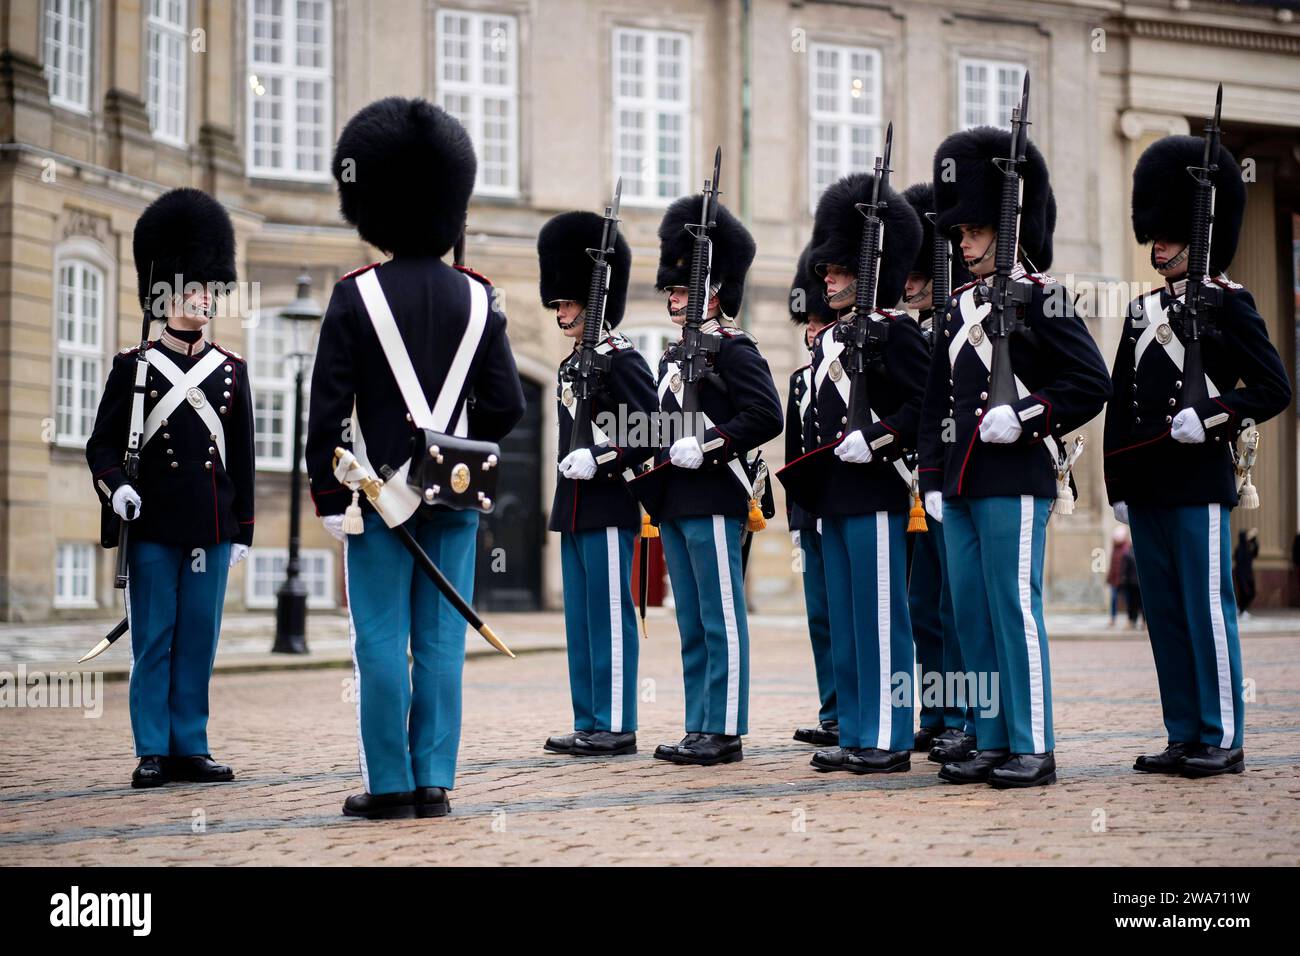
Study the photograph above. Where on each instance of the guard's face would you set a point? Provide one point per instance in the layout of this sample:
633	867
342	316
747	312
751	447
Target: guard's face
568	316
977	248
917	291
191	311
1168	258
678	295
813	329
837	279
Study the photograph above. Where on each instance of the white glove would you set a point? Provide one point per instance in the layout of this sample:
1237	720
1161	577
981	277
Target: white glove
934	504
237	553
580	464
1187	428
334	525
794	537
686	453
1121	512
126	495
854	449
1000	425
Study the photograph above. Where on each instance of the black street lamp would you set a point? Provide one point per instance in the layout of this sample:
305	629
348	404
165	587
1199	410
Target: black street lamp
291	600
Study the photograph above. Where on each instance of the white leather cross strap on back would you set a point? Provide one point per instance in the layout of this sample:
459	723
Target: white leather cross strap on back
181	383
397	500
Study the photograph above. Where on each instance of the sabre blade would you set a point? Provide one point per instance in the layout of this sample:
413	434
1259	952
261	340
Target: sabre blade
95	651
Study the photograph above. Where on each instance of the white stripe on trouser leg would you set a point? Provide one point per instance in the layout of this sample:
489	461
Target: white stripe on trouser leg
883	631
615	631
1033	655
356	671
1223	664
729	621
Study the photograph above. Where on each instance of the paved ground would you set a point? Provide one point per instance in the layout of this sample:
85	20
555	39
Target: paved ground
290	733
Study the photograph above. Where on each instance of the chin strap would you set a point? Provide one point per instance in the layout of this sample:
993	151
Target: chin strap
1173	263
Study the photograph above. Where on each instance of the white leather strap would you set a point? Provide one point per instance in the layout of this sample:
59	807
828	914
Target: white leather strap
1157	317
181	383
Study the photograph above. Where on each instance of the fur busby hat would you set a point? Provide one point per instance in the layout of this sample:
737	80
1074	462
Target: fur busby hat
566	268
405	170
733	251
1163	195
920	196
837	234
183	233
808	294
968	189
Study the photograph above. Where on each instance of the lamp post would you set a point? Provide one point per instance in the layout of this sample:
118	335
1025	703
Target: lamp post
291	600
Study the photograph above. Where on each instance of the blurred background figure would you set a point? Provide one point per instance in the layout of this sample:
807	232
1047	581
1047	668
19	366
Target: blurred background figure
1120	550
1243	570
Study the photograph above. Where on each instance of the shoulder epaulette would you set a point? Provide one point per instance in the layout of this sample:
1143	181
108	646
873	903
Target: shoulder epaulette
1040	278
733	332
357	272
1224	282
477	275
894	314
617	342
962	288
225	351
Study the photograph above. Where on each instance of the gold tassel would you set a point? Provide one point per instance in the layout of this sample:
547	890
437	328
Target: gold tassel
647	529
1064	498
1249	494
352	523
756	520
916	517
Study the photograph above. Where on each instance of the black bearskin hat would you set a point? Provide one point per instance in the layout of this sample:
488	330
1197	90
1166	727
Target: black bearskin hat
183	233
733	251
566	268
837	234
920	196
808	294
405	170
1163	193
968	189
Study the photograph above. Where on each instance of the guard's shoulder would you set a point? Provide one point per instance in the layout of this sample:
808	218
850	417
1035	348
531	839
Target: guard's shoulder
1041	279
229	352
470	272
798	374
893	315
736	334
962	288
1223	282
356	272
616	342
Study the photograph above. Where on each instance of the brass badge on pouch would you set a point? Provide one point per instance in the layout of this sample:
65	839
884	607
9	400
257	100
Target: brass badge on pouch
675	383
567	397
460	478
836	371
976	335
1164	333
196	397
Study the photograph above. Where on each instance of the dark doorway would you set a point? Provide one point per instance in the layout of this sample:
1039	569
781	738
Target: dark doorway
510	539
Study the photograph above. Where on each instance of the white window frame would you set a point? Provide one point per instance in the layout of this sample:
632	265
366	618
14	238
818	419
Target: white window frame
842	118
652	109
269	322
256	556
167	122
66	569
288	73
990	107
81	351
57	17
477	90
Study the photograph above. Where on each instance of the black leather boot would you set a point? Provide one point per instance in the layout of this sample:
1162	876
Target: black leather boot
431	802
924	739
825	734
604	743
829	759
1025	770
1212	761
669	751
1169	760
875	760
149	773
381	806
953	747
976	769
200	768
563	744
709	749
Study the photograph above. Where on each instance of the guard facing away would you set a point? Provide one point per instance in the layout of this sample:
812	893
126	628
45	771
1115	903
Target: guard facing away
990	463
868	380
603	377
183	406
408	347
810	311
947	730
705	485
1194	374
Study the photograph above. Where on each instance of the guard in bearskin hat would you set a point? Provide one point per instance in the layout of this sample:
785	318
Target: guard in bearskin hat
711	486
811	313
867	488
947	729
991	473
595	514
414	326
1172	472
183	403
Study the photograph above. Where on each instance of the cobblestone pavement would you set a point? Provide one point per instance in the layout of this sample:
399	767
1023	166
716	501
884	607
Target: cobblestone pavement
291	736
